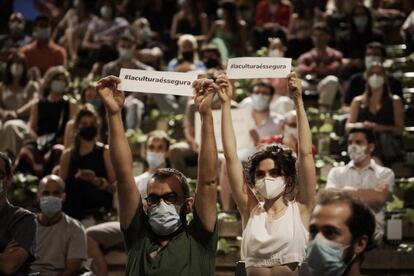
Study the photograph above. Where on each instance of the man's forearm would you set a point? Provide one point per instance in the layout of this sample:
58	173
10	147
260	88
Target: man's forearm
207	169
373	198
119	148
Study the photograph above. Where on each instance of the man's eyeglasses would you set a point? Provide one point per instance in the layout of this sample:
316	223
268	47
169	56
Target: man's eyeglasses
169	198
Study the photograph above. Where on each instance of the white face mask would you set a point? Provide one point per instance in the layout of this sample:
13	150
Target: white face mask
260	102
164	218
155	160
16	69
57	86
375	81
275	53
357	153
270	187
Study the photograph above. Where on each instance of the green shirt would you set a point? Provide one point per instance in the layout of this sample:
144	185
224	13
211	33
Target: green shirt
192	252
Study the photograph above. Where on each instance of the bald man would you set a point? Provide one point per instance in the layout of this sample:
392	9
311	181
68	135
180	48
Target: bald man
61	240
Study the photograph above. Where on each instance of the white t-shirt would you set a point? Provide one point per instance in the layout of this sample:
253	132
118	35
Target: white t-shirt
58	243
368	178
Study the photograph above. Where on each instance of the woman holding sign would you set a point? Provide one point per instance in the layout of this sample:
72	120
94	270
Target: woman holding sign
274	230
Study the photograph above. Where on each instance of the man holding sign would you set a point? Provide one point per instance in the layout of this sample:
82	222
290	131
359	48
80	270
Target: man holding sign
157	237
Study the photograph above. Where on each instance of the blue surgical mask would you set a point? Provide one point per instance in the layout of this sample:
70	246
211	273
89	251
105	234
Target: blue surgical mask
325	257
164	218
58	86
260	102
155	160
50	205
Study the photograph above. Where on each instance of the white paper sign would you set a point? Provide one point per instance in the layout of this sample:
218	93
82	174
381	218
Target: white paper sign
242	123
158	82
258	67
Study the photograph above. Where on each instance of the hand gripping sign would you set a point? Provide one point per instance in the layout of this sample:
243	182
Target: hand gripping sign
157	82
258	67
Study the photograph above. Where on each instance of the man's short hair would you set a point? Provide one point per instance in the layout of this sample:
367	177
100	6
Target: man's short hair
164	173
361	221
127	36
369	134
379	46
40	19
320	26
7	163
264	84
159	134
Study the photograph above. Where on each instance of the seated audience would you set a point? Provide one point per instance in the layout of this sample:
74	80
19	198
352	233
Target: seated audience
187	52
17	93
102	34
276	204
299	33
362	177
353	43
18	228
341	231
48	117
271	20
16	38
87	171
357	84
72	28
229	33
43	53
156	230
190	19
323	63
61	240
107	236
380	111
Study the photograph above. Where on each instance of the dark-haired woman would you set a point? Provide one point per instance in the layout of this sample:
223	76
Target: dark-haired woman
228	33
276	203
382	112
87	171
48	117
16	96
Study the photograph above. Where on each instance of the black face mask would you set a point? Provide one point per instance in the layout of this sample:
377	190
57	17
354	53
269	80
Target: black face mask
88	133
211	63
188	56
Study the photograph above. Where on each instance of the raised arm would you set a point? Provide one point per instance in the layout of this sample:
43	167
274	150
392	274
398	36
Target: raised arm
307	172
119	150
206	192
233	164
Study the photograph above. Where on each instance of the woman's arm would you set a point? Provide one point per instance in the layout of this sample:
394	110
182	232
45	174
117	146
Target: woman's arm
110	174
64	164
353	115
212	32
33	119
307	172
173	30
233	164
